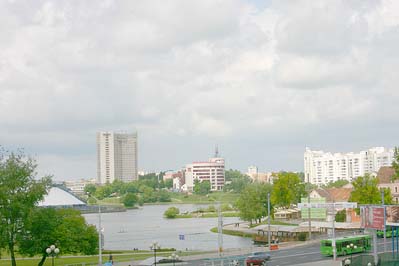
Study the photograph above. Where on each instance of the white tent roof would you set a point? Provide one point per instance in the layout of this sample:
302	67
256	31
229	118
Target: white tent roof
59	197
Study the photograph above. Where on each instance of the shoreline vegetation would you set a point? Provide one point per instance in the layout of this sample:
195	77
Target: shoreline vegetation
210	212
118	256
182	198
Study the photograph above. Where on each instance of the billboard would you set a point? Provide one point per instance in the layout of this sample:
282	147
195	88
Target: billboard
392	215
315	213
373	217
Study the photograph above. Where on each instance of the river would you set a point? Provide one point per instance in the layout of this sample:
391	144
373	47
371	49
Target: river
140	227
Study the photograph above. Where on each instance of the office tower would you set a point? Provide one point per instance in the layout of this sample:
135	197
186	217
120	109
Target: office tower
116	157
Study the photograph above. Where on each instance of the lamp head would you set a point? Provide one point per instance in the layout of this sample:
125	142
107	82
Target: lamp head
48	250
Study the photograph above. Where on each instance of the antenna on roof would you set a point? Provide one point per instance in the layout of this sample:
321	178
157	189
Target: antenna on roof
216	151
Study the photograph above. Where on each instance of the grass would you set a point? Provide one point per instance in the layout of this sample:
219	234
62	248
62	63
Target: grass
274	222
118	256
232	233
207	215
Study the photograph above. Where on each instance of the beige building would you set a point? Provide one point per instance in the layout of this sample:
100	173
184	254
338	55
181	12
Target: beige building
256	176
212	171
78	187
116	157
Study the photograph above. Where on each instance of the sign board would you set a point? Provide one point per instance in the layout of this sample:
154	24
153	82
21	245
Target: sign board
315	213
372	217
338	205
392	215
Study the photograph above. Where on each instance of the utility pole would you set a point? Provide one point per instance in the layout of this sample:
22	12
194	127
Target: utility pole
385	235
268	219
100	245
220	230
310	222
333	232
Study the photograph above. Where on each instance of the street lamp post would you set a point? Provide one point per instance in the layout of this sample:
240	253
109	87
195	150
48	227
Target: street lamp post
351	247
174	257
100	244
52	251
155	246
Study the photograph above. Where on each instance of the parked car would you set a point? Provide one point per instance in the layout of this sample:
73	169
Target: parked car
257	258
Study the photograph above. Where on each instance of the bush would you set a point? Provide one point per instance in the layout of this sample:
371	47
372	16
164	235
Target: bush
302	236
211	209
171	213
226	207
129	200
340	216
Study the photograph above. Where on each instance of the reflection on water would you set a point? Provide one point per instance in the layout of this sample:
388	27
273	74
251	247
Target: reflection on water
139	228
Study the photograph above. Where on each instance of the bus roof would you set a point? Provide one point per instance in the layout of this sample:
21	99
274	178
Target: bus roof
347	238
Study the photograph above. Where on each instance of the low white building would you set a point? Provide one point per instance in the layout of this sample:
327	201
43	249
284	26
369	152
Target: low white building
212	171
323	167
78	187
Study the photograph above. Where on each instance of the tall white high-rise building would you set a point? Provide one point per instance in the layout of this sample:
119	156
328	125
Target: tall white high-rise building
116	157
323	167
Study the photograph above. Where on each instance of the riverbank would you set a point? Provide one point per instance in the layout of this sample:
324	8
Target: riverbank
119	256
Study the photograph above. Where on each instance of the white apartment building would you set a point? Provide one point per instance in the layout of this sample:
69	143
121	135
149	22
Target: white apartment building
212	171
116	157
323	167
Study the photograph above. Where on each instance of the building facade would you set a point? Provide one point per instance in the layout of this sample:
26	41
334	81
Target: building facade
116	157
320	167
212	171
78	187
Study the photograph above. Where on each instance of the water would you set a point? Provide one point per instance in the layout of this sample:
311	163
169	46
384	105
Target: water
139	228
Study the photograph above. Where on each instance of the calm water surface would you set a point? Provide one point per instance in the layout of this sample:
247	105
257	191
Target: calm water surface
139	228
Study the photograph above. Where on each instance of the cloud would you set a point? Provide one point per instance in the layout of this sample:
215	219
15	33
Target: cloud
189	74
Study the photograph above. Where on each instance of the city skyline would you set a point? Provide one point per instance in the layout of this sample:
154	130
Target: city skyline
262	79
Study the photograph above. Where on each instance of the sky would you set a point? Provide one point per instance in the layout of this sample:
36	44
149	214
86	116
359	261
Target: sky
260	79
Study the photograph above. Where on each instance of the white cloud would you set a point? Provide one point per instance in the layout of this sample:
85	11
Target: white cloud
229	72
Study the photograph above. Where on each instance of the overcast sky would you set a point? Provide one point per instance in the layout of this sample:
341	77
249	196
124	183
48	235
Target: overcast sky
262	79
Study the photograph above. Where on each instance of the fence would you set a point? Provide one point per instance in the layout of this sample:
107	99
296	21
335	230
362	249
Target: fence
384	259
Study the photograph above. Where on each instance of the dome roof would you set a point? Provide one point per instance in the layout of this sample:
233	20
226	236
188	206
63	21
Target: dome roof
59	197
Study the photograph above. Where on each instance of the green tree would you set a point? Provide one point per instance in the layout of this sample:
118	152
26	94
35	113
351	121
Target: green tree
19	194
337	184
171	212
340	216
365	191
150	180
103	191
147	194
395	164
164	196
130	199
168	183
66	228
232	174
237	182
202	187
252	203
287	189
90	189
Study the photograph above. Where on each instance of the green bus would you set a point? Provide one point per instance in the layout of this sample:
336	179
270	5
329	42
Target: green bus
380	233
362	243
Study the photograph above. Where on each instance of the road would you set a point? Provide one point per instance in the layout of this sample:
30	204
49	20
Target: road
301	254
